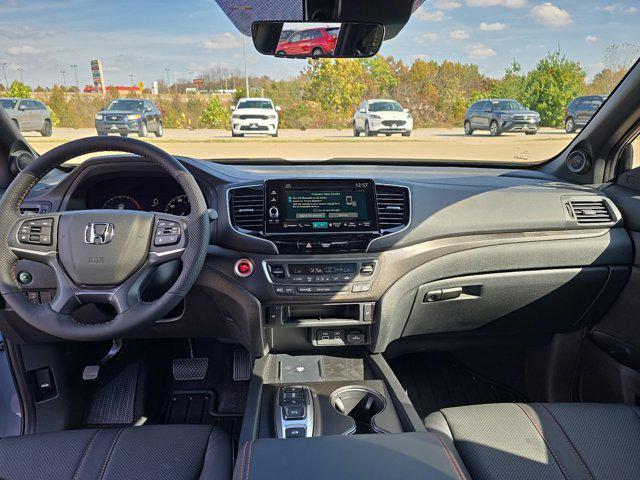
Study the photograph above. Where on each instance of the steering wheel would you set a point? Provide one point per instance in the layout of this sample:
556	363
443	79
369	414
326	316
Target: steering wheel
100	256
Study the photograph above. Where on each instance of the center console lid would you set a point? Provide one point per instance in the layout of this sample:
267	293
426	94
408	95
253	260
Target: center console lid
392	457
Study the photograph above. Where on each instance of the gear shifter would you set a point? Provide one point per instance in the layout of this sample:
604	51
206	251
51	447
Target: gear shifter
294	412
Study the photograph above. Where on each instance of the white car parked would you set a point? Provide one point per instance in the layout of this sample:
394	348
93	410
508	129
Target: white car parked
254	115
382	116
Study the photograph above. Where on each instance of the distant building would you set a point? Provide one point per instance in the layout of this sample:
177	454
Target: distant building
122	89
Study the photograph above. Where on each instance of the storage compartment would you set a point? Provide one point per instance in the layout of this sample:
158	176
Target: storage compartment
527	301
314	313
359	403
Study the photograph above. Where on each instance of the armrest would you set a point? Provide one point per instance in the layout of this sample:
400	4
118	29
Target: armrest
400	456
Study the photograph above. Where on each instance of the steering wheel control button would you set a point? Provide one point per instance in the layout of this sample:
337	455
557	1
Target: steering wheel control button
36	232
243	267
25	278
167	233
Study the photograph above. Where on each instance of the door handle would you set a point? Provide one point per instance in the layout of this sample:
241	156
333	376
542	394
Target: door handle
444	294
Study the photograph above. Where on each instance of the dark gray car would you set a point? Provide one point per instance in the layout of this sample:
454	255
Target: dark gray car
580	111
29	115
127	116
500	115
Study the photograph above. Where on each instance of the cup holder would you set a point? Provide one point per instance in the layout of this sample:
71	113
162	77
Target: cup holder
359	403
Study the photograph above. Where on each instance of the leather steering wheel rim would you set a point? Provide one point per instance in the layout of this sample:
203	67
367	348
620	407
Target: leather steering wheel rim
132	313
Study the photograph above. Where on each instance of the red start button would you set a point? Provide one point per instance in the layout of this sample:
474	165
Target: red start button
243	267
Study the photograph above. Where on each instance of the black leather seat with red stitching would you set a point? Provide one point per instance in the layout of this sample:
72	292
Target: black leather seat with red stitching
157	452
564	441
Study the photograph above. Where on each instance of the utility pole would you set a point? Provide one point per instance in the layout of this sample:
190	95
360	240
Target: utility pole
246	74
75	71
64	77
4	71
131	78
20	69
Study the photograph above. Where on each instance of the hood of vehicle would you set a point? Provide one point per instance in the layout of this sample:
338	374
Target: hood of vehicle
516	112
390	115
118	112
255	111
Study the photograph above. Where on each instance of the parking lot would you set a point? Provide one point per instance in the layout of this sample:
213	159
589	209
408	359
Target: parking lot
425	143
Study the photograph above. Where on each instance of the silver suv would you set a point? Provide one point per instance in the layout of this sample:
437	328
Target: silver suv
28	115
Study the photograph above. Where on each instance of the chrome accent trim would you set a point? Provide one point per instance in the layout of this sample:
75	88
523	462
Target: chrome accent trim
168	252
34	252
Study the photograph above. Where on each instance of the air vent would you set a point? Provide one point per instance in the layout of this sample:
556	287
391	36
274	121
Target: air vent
393	207
590	212
247	208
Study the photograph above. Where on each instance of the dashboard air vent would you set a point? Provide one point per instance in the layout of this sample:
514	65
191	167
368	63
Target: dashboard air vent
247	208
393	207
590	212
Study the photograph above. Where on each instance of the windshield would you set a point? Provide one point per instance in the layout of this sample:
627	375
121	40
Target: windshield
507	105
385	107
543	61
8	104
255	104
128	105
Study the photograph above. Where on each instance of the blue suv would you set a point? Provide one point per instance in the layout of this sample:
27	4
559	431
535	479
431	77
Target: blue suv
128	116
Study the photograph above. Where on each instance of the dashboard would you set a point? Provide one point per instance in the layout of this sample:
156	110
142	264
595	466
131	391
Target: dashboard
151	194
306	256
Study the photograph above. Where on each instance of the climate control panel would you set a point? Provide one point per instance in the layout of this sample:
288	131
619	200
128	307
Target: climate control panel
326	278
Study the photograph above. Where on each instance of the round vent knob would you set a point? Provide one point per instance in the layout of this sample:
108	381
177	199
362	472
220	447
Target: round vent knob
578	162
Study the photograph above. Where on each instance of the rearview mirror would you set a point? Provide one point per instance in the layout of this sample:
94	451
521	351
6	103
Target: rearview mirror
317	40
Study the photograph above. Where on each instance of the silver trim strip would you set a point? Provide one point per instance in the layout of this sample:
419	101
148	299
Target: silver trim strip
34	252
168	252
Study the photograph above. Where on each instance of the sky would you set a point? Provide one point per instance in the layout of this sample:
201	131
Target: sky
143	38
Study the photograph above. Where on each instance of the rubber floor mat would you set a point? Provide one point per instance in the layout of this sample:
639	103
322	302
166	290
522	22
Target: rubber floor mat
435	381
113	403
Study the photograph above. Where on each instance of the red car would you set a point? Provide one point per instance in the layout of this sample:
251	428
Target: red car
314	41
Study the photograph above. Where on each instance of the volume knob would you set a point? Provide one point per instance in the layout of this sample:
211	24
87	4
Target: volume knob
273	212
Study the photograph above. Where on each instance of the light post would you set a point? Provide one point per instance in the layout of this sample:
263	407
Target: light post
75	71
168	70
64	77
20	69
246	74
4	71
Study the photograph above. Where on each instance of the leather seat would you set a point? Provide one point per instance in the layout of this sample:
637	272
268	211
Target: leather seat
158	452
543	441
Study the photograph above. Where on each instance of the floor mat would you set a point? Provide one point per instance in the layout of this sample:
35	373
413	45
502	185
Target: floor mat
113	402
436	380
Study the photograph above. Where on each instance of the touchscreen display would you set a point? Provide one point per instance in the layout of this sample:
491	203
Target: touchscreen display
320	206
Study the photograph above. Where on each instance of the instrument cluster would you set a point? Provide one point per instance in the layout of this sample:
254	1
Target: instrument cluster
150	194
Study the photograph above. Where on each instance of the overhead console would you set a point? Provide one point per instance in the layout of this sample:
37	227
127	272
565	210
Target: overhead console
319	215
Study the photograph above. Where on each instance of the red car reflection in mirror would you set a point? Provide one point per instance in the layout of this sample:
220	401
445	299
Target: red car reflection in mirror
313	41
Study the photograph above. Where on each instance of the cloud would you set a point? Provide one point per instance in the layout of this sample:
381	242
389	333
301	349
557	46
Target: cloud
591	39
480	50
429	16
428	37
459	35
492	27
631	10
446	4
551	16
221	41
22	51
498	3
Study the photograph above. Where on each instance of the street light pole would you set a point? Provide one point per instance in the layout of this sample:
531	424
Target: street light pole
4	71
168	70
246	74
64	77
20	69
75	71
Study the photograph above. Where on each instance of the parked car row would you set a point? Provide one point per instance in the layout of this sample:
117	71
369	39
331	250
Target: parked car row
28	115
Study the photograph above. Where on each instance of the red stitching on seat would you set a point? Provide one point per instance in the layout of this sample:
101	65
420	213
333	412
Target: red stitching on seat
244	456
555	457
452	459
249	458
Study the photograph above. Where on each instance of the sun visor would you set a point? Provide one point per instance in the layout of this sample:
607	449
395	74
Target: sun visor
392	14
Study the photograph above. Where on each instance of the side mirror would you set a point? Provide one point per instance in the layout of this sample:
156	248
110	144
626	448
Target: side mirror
22	107
278	108
233	108
406	110
362	110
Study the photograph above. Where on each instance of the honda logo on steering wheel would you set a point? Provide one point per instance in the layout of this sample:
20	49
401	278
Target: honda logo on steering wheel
98	233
